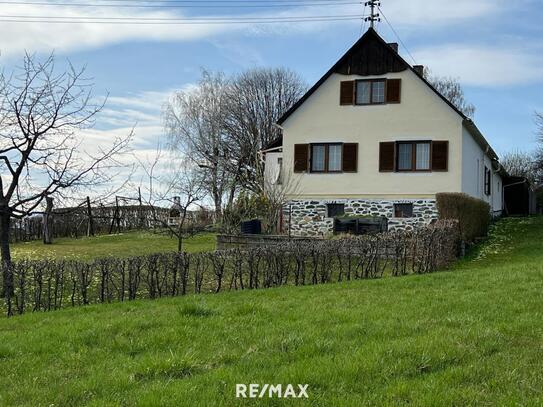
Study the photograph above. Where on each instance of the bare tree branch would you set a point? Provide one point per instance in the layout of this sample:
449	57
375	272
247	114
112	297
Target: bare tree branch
44	113
452	90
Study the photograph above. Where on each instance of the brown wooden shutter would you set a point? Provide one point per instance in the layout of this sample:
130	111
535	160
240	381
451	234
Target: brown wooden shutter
350	157
301	157
394	91
440	155
346	96
386	156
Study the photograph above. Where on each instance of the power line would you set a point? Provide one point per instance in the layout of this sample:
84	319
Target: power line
397	36
250	2
187	19
143	21
301	2
177	5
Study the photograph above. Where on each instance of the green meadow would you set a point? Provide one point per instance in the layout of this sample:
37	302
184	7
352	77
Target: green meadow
469	335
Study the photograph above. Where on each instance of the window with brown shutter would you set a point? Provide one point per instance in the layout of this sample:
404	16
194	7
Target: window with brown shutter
370	91
394	90
386	156
346	96
301	157
440	155
350	157
411	156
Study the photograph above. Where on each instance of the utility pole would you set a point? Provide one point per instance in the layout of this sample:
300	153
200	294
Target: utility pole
374	16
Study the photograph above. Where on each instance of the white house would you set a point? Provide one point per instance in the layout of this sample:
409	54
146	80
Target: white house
373	137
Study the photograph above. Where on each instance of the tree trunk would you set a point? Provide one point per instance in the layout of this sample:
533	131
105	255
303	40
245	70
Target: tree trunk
217	202
47	221
7	276
90	221
180	243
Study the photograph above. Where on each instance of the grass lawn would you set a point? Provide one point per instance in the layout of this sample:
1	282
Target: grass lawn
471	336
121	245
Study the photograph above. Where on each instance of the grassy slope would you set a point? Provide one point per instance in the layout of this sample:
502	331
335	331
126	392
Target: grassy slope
123	245
469	337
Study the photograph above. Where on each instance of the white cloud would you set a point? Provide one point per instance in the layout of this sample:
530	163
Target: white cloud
482	65
439	12
138	112
36	37
42	37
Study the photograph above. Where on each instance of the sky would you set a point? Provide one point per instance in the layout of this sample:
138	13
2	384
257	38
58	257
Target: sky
494	47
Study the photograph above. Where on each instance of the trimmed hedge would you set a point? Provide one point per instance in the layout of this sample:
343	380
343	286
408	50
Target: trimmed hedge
473	214
44	285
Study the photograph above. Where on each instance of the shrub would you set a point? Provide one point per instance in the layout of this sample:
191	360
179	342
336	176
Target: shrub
44	285
473	214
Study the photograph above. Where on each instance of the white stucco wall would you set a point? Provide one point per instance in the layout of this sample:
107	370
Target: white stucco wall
497	194
474	161
421	115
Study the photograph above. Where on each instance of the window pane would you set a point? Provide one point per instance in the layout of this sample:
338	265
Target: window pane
403	210
423	156
404	156
317	158
362	92
334	158
378	94
335	210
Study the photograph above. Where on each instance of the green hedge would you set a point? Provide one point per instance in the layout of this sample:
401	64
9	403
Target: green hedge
473	214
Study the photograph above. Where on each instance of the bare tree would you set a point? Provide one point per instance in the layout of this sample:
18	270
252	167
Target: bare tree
193	120
42	113
452	90
256	100
278	191
520	164
176	184
222	124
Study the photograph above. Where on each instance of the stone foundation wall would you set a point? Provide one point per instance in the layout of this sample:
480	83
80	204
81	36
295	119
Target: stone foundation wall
309	217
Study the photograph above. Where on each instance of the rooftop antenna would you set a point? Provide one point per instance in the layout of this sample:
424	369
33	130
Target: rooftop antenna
374	16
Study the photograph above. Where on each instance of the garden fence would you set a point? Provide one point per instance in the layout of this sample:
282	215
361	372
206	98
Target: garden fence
44	285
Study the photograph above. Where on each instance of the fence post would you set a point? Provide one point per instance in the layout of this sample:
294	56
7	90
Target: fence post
47	221
90	222
115	217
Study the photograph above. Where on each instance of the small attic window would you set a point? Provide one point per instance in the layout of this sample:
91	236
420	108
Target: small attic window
370	92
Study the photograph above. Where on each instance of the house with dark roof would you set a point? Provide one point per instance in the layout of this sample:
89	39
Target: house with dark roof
373	138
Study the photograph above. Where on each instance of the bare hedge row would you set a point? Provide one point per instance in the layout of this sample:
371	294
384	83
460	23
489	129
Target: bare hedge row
46	285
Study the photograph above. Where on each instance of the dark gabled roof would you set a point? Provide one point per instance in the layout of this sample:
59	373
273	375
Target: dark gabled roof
371	55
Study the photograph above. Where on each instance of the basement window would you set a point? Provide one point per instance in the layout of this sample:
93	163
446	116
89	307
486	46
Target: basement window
403	210
335	209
